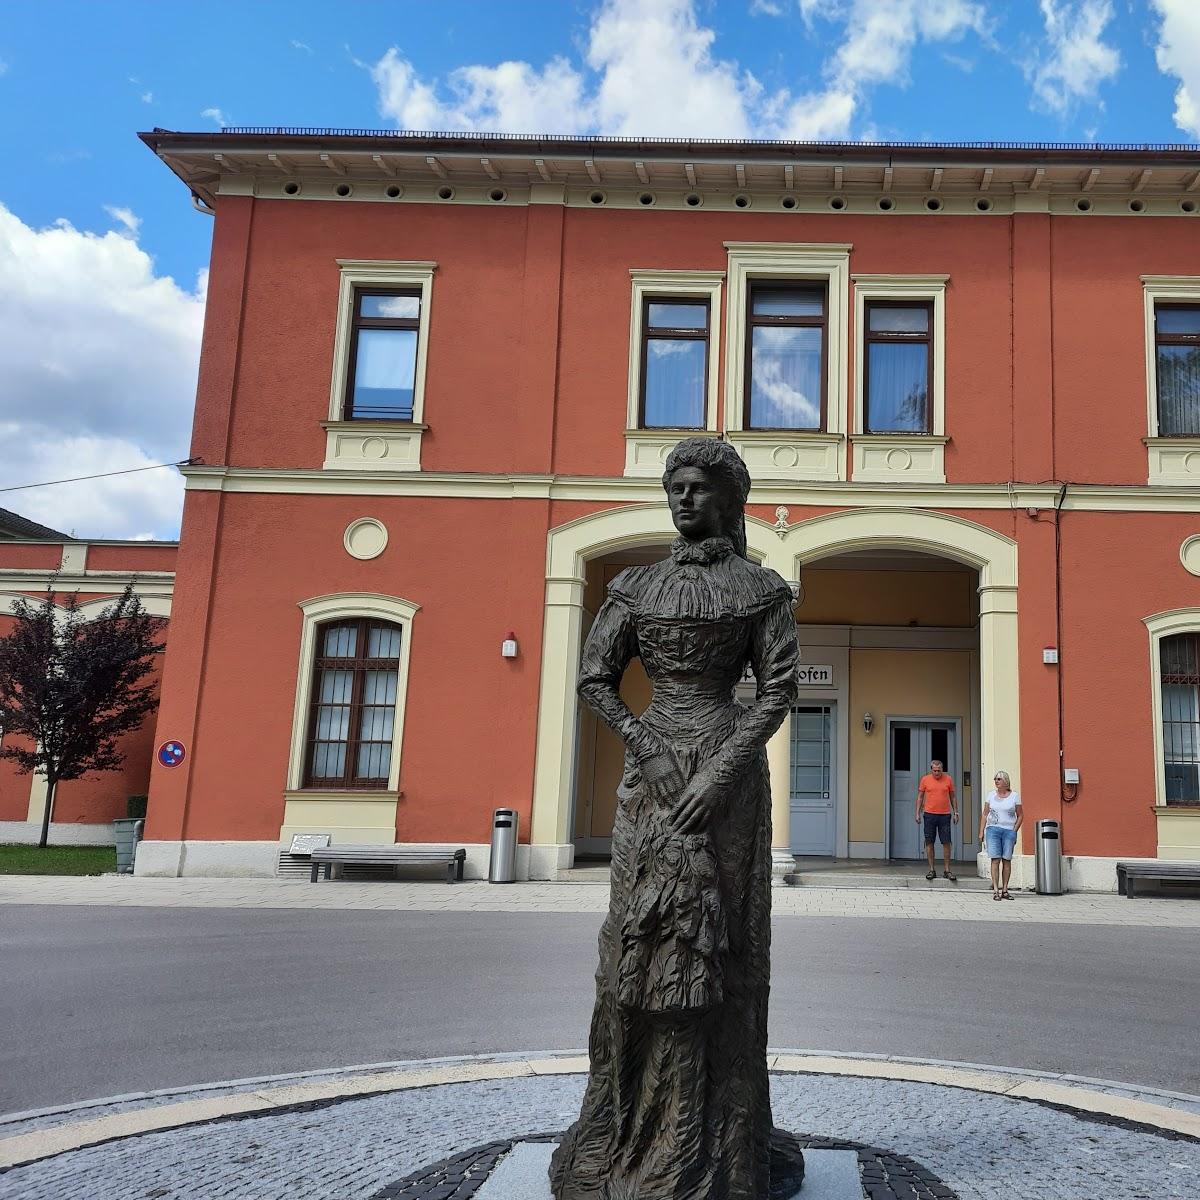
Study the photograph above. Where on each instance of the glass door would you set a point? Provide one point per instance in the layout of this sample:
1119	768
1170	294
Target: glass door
812	791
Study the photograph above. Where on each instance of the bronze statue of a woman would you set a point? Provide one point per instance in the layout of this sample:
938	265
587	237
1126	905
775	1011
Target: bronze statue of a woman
677	1104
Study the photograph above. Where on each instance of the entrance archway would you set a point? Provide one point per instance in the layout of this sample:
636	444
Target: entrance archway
785	549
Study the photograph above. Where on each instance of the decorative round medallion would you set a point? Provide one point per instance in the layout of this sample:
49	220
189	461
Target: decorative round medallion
898	459
1189	554
785	456
365	538
374	447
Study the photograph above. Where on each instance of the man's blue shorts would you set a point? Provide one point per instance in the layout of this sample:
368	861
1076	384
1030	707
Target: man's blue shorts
937	824
1000	843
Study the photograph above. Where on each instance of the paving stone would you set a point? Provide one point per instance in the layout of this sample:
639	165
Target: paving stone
977	1146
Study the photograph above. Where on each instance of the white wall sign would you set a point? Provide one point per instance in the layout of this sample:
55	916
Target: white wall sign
816	675
808	675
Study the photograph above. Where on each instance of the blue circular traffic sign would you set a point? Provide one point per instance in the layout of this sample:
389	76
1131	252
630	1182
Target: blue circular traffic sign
171	754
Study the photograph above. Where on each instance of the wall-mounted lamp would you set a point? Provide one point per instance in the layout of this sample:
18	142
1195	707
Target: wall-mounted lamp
868	722
509	647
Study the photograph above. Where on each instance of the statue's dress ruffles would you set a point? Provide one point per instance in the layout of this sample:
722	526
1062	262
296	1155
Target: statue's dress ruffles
677	1104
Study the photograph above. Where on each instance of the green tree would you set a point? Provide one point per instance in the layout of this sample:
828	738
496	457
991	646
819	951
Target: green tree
72	687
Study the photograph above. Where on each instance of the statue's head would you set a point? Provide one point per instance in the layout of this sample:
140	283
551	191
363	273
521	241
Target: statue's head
707	484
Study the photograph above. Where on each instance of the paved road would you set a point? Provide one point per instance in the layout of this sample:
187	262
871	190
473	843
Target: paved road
101	1001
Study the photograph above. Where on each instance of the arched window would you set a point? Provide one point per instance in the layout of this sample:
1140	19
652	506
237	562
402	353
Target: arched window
1179	667
352	708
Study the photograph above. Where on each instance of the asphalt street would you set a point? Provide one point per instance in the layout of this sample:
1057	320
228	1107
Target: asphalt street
103	1001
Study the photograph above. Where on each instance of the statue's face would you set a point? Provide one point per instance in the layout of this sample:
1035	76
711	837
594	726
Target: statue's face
696	504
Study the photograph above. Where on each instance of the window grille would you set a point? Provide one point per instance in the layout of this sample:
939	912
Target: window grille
353	709
1179	661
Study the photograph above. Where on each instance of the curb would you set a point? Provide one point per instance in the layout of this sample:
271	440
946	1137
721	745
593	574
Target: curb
263	1095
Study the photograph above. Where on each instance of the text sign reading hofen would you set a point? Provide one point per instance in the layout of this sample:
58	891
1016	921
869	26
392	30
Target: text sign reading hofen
816	675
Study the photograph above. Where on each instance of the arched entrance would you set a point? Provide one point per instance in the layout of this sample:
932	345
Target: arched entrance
572	546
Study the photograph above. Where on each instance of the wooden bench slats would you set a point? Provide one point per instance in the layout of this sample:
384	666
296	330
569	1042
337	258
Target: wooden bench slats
387	856
1127	872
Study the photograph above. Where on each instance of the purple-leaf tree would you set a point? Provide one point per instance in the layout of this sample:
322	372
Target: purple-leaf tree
72	687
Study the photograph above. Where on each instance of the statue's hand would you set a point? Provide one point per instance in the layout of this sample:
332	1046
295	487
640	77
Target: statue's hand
698	804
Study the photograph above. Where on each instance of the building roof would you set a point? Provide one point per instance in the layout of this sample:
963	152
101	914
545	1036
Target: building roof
348	155
16	528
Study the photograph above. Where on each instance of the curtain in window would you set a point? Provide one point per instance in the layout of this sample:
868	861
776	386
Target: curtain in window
675	383
384	371
898	381
1179	660
1178	390
785	377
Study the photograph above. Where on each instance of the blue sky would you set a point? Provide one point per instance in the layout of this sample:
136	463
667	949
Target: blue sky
102	258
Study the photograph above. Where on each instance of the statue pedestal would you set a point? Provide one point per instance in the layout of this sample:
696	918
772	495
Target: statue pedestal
522	1175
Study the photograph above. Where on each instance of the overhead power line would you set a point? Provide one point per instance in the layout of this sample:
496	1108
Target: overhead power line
21	487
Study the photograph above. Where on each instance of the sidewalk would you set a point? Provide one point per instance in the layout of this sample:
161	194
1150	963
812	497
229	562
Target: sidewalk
948	904
381	1131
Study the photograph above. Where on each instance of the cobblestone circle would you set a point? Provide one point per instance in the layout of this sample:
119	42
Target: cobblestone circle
981	1146
884	1176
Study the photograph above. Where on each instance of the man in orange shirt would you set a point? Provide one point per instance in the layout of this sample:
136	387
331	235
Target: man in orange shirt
938	804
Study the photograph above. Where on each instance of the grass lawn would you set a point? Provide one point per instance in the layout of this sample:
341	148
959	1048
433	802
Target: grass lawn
57	860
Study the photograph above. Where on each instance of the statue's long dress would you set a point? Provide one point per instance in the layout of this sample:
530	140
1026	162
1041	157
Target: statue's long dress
677	1104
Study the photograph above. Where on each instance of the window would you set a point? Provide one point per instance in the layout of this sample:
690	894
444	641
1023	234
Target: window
352	718
897	366
1179	666
383	355
674	363
785	358
1177	369
380	346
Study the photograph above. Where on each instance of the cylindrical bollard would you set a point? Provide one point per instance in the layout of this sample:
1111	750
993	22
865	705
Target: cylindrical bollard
1048	857
503	865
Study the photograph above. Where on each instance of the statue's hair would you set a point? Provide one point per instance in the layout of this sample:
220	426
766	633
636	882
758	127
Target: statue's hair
721	461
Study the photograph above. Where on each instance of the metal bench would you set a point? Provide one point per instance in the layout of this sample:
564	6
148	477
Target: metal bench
1128	872
387	856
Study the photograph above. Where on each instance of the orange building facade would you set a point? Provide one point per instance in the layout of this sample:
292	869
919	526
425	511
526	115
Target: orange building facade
33	559
438	381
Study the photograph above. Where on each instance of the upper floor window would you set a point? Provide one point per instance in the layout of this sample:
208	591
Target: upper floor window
381	381
1177	365
785	358
1179	662
897	367
674	363
352	717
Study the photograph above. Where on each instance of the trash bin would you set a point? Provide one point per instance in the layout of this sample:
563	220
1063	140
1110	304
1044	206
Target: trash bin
127	832
503	865
1048	858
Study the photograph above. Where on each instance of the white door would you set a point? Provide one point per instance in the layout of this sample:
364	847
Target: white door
812	791
913	745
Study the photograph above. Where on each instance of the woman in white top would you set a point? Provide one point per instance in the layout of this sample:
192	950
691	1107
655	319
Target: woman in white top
998	825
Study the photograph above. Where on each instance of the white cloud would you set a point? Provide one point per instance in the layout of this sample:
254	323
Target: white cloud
1076	59
147	97
296	45
765	8
650	68
100	358
512	97
215	115
658	76
3	67
126	217
1178	54
879	39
